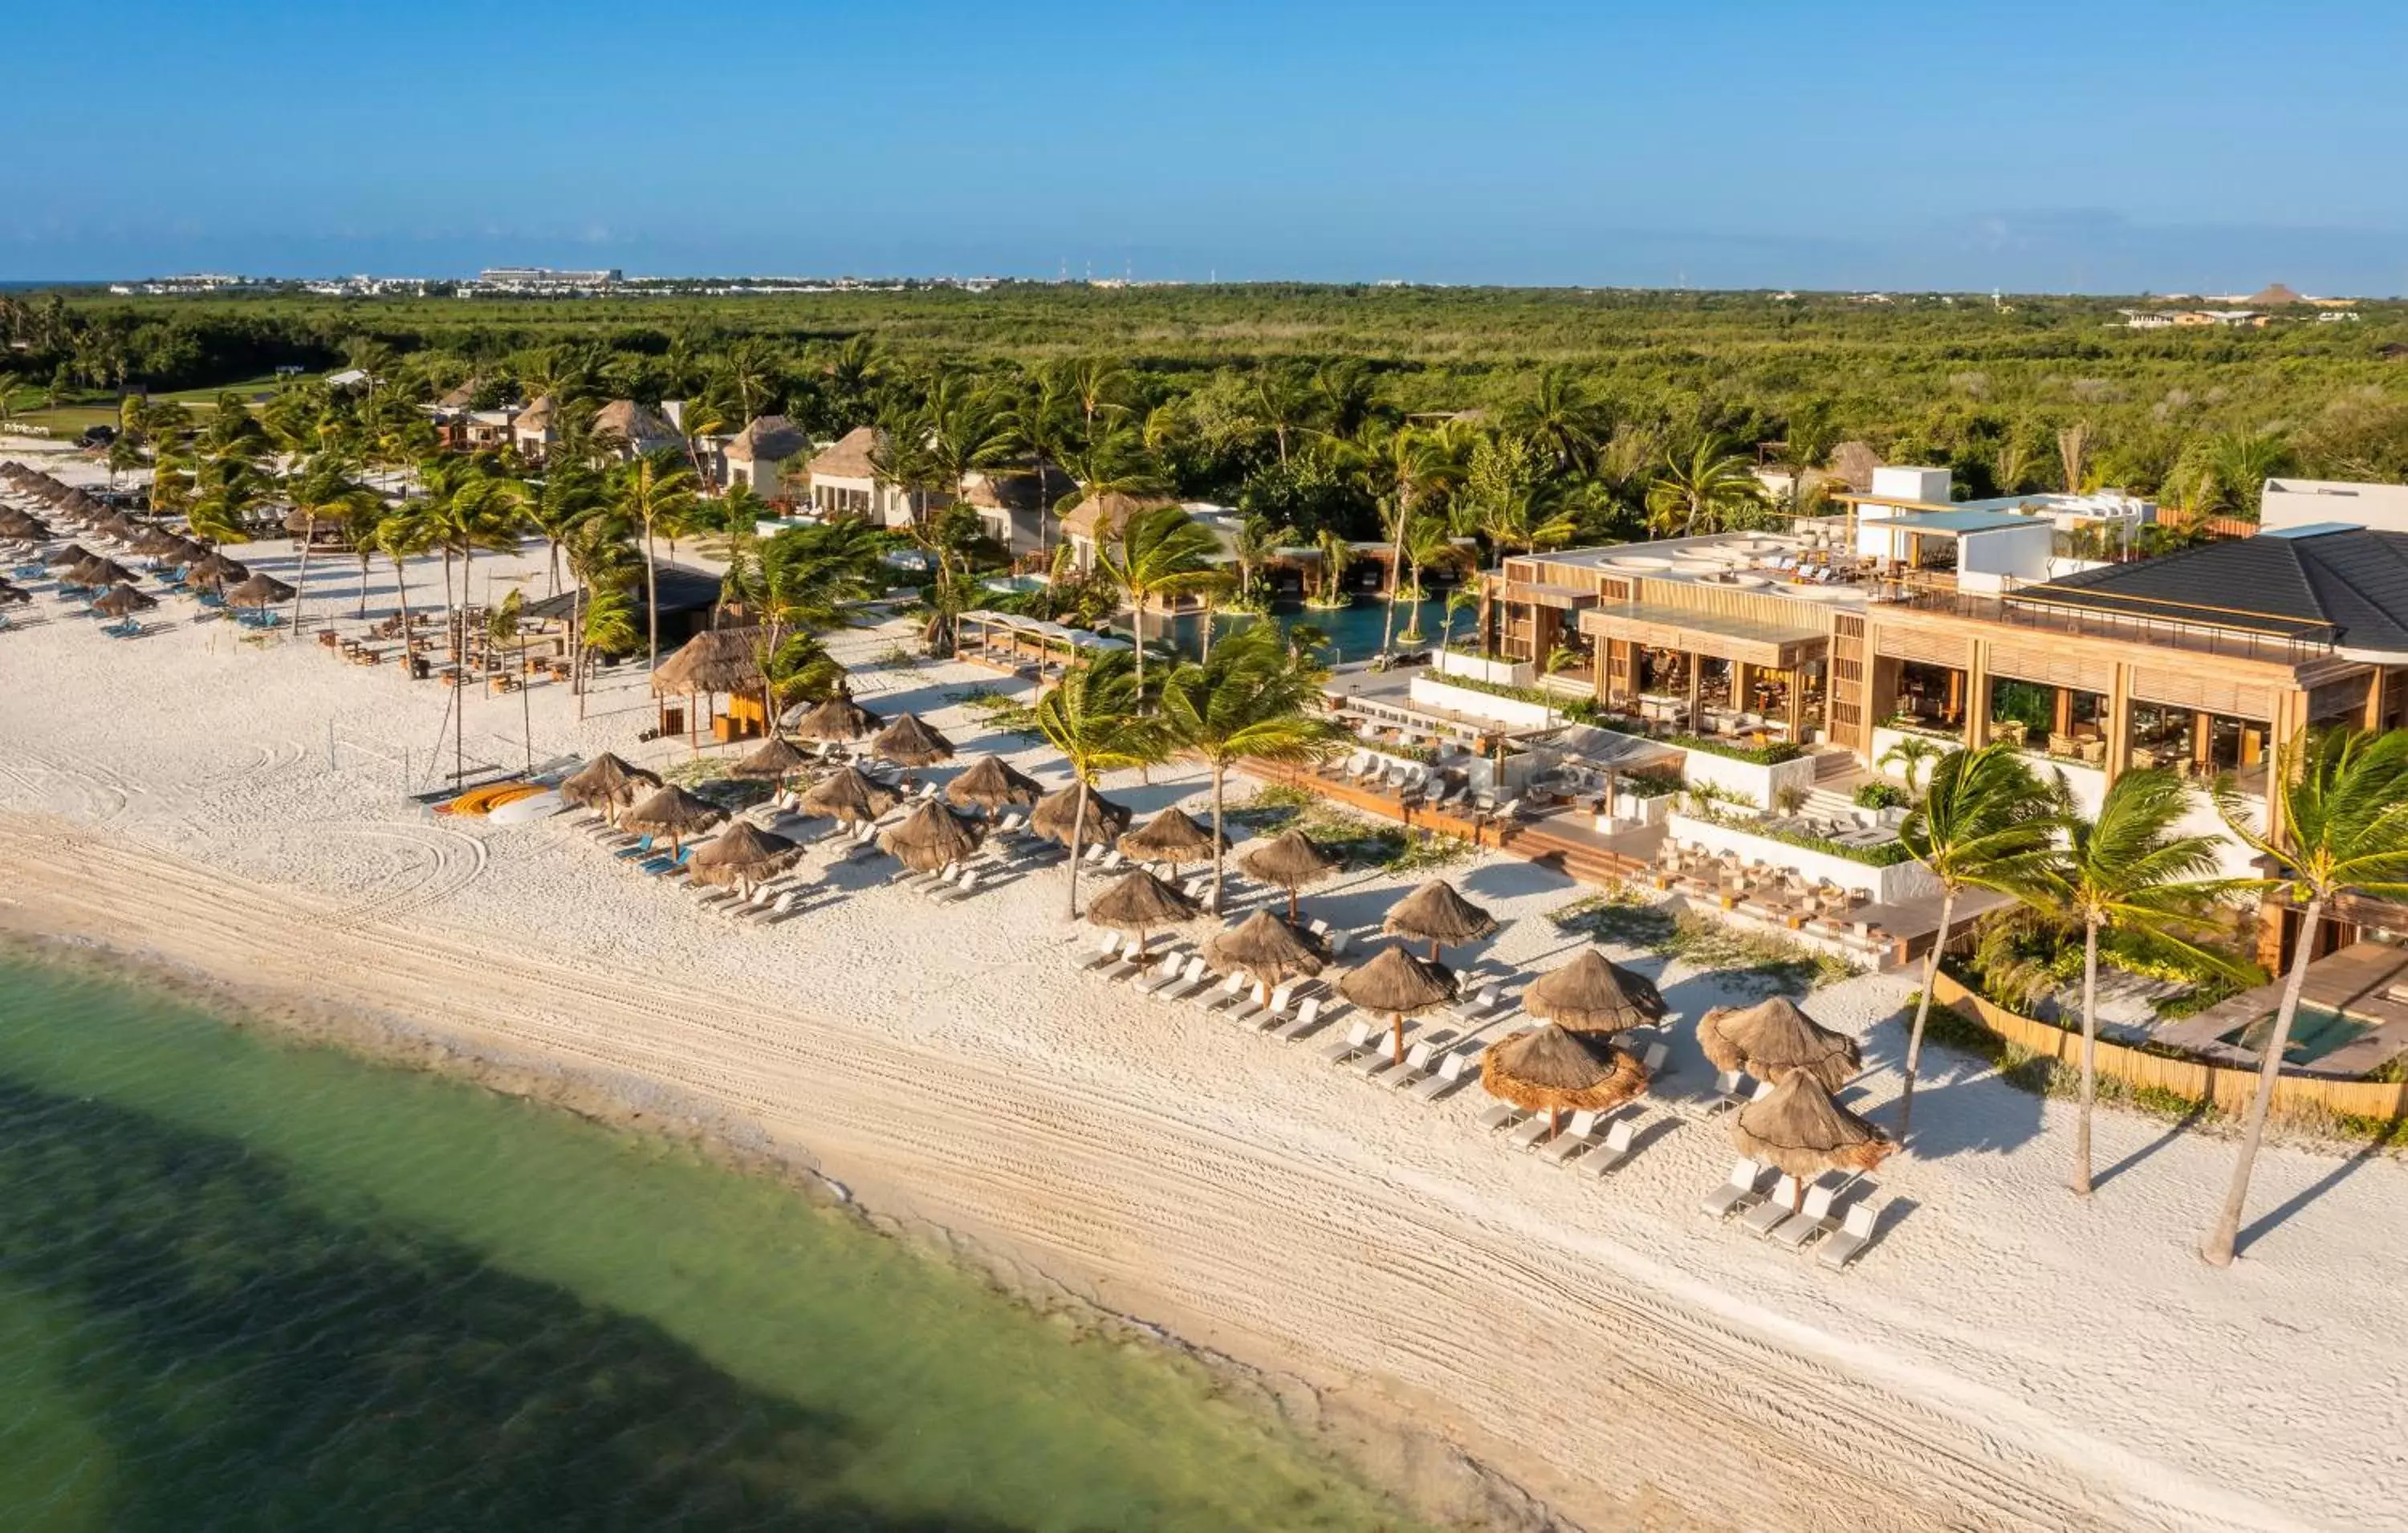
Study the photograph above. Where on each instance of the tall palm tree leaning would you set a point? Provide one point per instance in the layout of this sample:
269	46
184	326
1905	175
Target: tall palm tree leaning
401	536
2124	869
1093	717
1704	489
653	491
1251	698
1984	822
2343	801
1158	552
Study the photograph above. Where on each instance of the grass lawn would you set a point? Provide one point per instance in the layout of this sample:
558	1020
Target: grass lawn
69	419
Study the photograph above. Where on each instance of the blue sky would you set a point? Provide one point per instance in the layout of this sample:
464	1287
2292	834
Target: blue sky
2114	146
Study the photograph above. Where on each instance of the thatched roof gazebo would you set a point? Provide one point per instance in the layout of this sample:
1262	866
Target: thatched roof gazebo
1399	983
1593	993
930	837
259	590
607	783
991	783
1773	1039
120	601
1798	1128
1265	947
848	797
673	812
776	760
1056	817
1171	837
743	855
1140	902
909	741
836	721
1555	1070
1436	914
713	662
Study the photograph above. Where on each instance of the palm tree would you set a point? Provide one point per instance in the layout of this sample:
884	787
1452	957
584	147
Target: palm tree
1252	698
501	627
571	493
1704	490
2124	869
1411	464
1563	422
1463	598
324	490
654	491
1984	821
401	536
1158	552
1428	541
1280	405
1908	753
1336	555
2342	829
1255	544
1093	717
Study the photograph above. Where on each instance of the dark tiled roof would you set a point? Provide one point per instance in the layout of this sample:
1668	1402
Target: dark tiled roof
2348	584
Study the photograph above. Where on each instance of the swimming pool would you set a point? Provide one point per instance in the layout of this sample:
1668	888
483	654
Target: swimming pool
1353	631
2316	1032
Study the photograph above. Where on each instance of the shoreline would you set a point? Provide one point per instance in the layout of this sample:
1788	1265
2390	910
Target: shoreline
1383	1447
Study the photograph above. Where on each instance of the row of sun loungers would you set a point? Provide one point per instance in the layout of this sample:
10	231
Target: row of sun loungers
1795	1217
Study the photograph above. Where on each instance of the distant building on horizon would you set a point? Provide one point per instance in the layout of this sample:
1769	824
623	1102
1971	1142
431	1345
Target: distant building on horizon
545	280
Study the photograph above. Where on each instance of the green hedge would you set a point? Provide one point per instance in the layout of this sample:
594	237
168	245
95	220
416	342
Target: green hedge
1886	855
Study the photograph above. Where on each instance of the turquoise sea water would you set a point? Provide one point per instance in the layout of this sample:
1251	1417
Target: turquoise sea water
245	1283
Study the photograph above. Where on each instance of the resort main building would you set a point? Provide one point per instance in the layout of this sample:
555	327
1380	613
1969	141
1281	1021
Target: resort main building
2026	621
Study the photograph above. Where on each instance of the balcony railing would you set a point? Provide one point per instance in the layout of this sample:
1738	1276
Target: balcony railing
2307	641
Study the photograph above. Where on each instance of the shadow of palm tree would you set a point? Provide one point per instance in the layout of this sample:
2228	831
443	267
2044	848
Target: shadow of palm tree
254	1361
2274	1219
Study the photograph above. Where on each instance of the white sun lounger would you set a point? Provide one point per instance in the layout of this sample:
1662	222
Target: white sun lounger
1108	953
1812	1219
1220	997
1225	1001
1160	977
1501	1115
1613	1149
1530	1132
1572	1140
1848	1242
1193	977
1450	1073
1307	1018
1737	1191
1416	1068
1262	1012
1383	1059
1474	1008
1761	1219
776	911
1351	1044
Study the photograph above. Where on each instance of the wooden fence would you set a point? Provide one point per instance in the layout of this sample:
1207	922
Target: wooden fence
2229	1090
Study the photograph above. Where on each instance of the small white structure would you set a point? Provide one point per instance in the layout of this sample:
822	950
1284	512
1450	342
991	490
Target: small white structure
533	430
1917	486
2308	503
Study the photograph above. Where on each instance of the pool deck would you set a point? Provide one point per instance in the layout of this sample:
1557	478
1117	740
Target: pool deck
2359	979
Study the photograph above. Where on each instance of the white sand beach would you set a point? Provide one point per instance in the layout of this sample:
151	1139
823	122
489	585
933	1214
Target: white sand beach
2004	1357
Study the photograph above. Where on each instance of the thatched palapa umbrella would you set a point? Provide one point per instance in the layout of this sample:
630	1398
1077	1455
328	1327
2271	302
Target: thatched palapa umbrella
991	783
743	855
1141	903
1171	837
1555	1070
1799	1130
849	797
775	761
14	594
1399	983
1056	817
674	812
930	837
607	783
1289	860
69	557
1593	993
215	568
1265	947
181	551
259	590
909	742
1436	914
99	571
836	720
120	601
1773	1039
